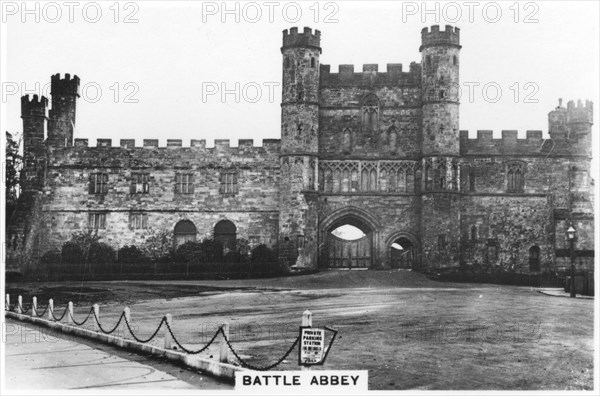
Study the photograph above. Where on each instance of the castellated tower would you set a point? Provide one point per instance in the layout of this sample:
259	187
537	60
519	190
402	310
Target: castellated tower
62	115
299	147
441	144
33	113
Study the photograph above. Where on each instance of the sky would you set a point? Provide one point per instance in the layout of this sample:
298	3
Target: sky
149	70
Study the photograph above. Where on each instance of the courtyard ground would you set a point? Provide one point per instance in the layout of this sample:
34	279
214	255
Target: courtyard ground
408	331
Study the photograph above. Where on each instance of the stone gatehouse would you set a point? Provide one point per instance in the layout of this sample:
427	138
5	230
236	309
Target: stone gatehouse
379	151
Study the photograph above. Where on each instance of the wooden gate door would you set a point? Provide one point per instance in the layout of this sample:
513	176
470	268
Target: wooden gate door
349	254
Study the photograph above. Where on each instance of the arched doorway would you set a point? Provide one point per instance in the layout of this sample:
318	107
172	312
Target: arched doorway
225	232
349	244
185	231
402	253
534	259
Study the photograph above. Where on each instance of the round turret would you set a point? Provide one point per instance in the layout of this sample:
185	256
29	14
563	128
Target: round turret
440	90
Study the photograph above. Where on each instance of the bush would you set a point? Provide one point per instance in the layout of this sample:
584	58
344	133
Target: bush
101	255
234	257
51	257
190	251
212	249
262	253
71	253
131	255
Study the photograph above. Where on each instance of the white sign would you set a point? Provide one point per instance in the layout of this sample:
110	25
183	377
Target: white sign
312	344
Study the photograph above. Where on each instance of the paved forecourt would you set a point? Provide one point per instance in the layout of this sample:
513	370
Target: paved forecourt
40	358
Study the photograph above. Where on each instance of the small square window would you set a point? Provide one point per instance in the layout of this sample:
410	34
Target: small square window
138	221
97	221
184	183
98	183
139	183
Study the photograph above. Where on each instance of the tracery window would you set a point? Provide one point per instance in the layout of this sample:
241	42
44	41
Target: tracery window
515	177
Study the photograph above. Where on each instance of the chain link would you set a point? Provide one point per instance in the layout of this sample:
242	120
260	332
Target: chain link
151	337
24	311
43	313
63	315
113	329
188	351
258	368
85	320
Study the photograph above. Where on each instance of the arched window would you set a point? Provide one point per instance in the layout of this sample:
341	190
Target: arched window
373	180
392	182
455	60
286	63
345	180
312	63
428	61
401	180
354	183
225	233
383	180
410	180
321	180
515	178
347	140
370	113
454	176
364	180
534	258
392	134
337	181
428	177
473	233
185	231
440	177
329	180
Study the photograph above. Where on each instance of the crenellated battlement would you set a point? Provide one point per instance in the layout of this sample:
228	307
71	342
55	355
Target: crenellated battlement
34	107
304	39
64	86
370	75
510	144
437	37
580	113
221	145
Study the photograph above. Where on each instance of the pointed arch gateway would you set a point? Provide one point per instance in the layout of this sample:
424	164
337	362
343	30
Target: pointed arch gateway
348	239
403	250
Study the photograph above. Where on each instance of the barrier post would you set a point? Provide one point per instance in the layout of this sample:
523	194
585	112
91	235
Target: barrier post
306	322
168	340
97	317
34	307
224	350
127	313
7	302
70	313
50	310
20	301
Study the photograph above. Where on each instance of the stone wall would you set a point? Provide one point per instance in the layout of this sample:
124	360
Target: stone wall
251	204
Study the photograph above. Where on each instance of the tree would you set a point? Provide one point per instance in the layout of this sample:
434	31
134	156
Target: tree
85	239
158	245
14	163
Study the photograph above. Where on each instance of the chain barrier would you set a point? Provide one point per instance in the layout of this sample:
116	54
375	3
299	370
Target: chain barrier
24	311
244	363
85	320
188	351
62	316
151	337
258	368
113	329
43	313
